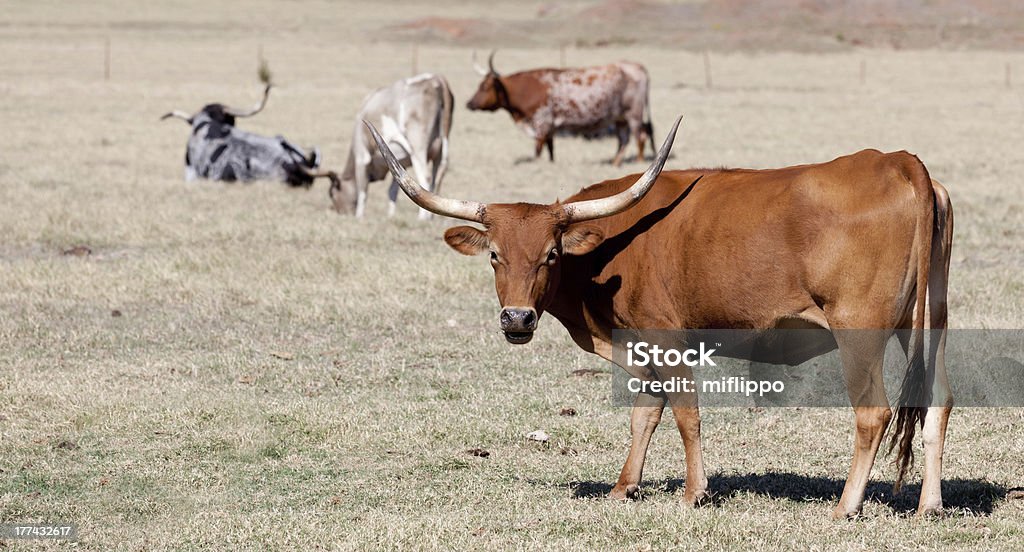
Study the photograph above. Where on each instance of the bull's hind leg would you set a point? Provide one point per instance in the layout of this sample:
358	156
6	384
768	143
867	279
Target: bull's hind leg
439	166
392	196
684	409
862	353
936	419
639	129
941	398
622	132
541	141
644	420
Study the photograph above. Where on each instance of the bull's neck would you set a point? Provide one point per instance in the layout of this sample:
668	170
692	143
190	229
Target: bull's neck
570	306
514	110
524	94
350	166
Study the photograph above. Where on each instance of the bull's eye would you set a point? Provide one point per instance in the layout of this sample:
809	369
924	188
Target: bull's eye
494	258
552	256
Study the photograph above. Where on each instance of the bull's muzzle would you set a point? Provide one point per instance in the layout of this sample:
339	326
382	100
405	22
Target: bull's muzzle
518	323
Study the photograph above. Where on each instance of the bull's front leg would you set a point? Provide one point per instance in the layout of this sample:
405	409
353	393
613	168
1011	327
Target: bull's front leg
646	415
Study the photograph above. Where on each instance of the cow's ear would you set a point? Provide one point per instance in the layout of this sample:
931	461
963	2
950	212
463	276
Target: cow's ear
467	240
581	240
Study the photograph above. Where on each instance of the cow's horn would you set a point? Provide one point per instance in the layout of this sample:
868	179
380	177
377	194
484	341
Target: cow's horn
259	107
179	114
476	66
580	211
490	62
455	208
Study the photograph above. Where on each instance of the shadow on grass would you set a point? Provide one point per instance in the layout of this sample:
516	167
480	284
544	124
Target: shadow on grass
960	496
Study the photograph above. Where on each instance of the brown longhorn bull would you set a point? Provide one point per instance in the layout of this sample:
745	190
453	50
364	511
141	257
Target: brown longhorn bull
860	242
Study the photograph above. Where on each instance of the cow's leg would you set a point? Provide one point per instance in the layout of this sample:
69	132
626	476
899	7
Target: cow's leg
538	146
622	131
551	147
937	415
362	184
862	353
687	415
936	418
392	197
644	419
641	138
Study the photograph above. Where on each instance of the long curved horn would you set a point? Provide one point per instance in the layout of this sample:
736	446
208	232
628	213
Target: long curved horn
179	114
476	66
580	211
490	62
455	208
259	107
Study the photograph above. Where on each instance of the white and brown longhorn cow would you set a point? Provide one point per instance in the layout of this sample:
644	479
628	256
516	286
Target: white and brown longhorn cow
415	117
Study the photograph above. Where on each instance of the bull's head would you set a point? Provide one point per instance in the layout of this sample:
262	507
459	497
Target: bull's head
220	113
491	94
526	242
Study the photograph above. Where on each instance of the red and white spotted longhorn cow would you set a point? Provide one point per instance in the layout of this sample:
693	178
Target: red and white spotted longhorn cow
587	101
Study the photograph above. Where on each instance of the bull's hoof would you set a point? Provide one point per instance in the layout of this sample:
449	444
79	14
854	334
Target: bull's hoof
842	512
624	493
696	498
930	511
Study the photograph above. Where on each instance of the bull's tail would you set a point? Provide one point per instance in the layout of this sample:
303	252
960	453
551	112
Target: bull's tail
447	110
447	104
914	390
648	125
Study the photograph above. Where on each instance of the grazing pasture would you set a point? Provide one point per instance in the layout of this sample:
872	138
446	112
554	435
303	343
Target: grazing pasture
239	367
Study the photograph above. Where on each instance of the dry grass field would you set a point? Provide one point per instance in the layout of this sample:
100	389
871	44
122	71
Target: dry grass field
284	378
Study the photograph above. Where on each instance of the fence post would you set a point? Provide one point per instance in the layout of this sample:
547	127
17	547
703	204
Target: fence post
707	69
106	58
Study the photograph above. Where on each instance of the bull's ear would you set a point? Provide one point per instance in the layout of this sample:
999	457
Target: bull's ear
467	240
581	240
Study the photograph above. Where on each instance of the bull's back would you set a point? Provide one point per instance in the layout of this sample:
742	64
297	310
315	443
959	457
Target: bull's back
588	98
737	238
409	107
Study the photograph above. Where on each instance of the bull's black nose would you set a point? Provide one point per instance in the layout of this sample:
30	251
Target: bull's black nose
518	319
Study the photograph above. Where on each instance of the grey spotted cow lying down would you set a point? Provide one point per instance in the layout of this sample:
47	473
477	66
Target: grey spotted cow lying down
218	150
